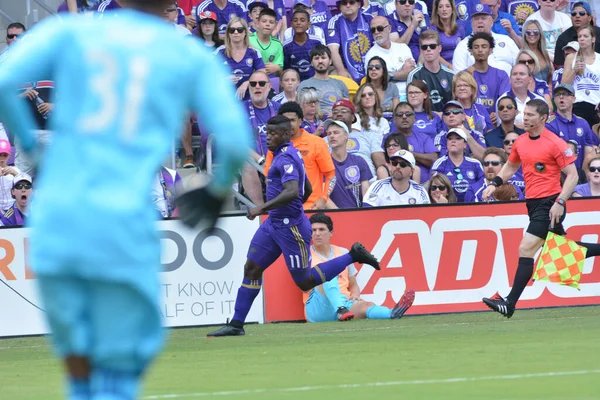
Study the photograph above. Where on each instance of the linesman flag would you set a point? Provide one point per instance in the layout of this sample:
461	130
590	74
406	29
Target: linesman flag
561	261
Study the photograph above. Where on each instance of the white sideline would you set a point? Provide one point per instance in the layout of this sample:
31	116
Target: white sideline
373	384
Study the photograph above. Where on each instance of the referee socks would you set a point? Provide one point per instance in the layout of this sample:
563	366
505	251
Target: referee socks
522	277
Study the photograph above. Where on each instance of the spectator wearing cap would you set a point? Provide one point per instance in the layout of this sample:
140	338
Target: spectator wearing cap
493	160
504	23
316	31
420	144
7	174
408	23
454	118
254	8
315	154
436	75
399	188
269	47
581	15
569	127
296	49
225	10
360	142
507	112
349	39
569	48
207	30
330	90
520	77
16	214
397	56
351	172
553	23
462	171
505	49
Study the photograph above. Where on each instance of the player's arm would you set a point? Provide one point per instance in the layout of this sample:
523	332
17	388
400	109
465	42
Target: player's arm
288	194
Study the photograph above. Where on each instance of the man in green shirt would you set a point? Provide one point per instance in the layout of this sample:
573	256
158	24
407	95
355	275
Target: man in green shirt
270	48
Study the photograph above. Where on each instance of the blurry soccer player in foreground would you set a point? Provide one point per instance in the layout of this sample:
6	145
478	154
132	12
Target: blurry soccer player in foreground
124	88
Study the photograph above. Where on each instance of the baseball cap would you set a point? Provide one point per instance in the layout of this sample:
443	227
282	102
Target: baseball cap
481	9
253	3
344	103
574	45
452	103
330	122
305	3
21	177
5	147
406	156
583	4
207	15
569	88
458	132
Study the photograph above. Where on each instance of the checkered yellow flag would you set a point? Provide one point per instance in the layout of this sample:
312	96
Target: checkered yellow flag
561	261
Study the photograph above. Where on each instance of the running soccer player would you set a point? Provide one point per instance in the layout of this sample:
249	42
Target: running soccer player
543	156
96	253
287	230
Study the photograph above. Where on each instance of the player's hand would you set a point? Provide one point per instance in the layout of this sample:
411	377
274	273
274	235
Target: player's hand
29	94
253	213
506	25
45	108
488	192
556	213
199	205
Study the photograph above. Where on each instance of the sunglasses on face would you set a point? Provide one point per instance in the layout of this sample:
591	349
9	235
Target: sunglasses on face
453	112
392	146
348	2
492	163
378	28
403	2
259	83
441	188
367	94
401	114
509	141
431	46
551	1
402	163
27	186
592	169
525	62
534	32
508	107
375	67
580	13
12	35
241	29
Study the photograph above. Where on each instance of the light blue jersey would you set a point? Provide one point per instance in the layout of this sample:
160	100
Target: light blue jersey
124	87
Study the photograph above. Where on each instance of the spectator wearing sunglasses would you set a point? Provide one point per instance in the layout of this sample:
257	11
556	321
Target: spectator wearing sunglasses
226	10
296	49
553	23
408	23
16	214
508	142
172	15
537	86
462	171
440	190
391	144
581	15
534	41
349	39
493	160
398	189
437	76
13	32
397	56
378	76
454	118
507	112
592	187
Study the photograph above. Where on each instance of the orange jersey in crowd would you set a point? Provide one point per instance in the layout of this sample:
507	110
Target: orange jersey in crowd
542	159
318	163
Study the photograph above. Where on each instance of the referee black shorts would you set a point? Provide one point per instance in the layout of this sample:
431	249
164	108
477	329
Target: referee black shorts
539	217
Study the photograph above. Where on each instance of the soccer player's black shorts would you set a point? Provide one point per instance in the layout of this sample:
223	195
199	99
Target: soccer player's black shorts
539	217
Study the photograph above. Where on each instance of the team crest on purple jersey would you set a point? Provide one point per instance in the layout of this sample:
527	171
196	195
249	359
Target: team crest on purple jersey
352	173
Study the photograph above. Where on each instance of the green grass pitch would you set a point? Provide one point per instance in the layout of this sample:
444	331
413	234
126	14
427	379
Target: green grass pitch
538	354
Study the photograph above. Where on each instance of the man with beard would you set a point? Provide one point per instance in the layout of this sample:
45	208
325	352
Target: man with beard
329	90
21	192
493	160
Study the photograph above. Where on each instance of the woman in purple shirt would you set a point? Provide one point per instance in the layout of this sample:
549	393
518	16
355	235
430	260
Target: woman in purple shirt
443	20
426	121
592	188
464	89
241	58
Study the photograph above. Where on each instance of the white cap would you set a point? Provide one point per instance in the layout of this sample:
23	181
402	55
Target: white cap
406	156
330	122
574	45
457	131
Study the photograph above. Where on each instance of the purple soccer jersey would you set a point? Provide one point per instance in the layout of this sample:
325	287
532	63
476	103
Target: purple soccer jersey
490	85
517	179
576	129
349	174
251	62
400	27
478	118
475	192
233	8
421	143
430	127
108	5
449	43
584	190
298	56
321	15
12	217
541	88
374	9
354	40
258	119
461	177
441	142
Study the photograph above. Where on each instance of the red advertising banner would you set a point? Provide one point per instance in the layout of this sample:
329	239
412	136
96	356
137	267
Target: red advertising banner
452	256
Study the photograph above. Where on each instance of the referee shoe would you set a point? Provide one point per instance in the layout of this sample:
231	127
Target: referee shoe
500	305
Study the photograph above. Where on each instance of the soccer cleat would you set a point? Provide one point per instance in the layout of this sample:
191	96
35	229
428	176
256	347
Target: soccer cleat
500	305
406	301
343	314
361	255
199	205
189	161
227	330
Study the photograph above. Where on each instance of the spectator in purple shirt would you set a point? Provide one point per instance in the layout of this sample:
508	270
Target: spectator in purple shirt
18	212
454	117
493	160
592	187
108	5
226	10
443	20
320	14
296	50
308	98
426	121
408	24
464	89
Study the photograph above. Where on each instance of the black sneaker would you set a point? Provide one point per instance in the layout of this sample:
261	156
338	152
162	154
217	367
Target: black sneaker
406	301
343	314
500	305
227	330
361	255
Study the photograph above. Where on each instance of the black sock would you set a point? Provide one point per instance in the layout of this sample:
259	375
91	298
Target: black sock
593	249
236	323
522	277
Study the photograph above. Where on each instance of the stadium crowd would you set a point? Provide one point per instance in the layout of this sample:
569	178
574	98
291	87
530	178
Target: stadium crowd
398	103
